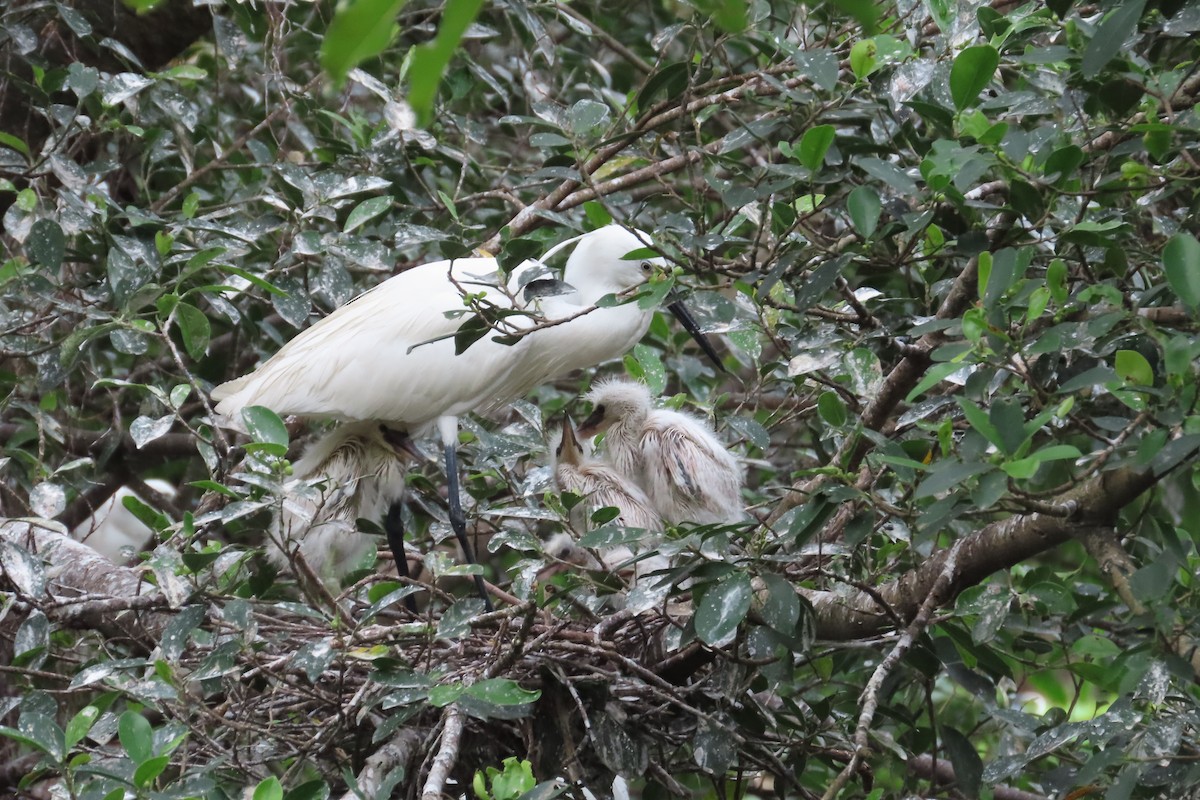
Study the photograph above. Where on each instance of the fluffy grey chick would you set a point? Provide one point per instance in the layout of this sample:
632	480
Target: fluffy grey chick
676	458
353	471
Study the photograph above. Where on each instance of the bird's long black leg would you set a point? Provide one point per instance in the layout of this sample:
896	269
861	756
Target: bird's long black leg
458	520
393	526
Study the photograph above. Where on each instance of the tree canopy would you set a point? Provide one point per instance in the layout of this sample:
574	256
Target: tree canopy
948	253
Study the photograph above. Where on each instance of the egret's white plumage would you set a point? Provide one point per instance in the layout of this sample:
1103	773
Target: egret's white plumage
676	458
384	356
112	530
388	355
351	472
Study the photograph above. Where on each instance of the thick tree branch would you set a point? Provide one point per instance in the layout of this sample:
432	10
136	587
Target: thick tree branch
80	588
996	547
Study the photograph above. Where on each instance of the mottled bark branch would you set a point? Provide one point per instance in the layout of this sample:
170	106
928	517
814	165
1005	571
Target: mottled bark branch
79	588
991	549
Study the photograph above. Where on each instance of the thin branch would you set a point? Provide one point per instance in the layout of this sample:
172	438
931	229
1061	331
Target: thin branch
447	755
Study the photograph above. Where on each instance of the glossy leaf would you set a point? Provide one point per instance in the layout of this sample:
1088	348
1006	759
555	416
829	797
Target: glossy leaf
1110	36
971	73
1181	261
360	29
136	737
814	145
429	61
723	608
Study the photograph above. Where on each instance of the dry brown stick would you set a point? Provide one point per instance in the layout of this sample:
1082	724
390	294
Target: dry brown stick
447	754
397	751
995	547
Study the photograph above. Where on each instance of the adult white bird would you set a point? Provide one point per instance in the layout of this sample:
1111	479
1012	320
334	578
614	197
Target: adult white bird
684	468
113	531
388	355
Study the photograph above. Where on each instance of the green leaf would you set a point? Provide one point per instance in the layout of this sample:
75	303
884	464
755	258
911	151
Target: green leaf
814	145
46	244
865	11
265	427
367	210
1110	37
968	766
863	58
980	422
149	770
503	692
17	736
864	206
1181	261
269	789
79	726
586	115
136	736
781	610
972	72
194	328
1133	367
8	140
832	409
429	60
670	81
360	30
935	375
444	695
1025	468
723	608
730	15
1008	420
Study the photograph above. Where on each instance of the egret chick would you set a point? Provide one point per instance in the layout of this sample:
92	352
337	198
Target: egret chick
600	486
676	458
358	472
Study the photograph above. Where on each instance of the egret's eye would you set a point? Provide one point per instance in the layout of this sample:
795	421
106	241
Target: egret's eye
646	267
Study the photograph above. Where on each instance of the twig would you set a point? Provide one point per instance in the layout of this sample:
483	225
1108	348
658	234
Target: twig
447	754
398	751
870	695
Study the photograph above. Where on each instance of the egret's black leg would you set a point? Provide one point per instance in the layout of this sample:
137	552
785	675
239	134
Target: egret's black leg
393	526
458	520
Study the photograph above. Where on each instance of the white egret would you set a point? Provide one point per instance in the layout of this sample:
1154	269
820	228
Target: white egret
112	530
388	355
687	472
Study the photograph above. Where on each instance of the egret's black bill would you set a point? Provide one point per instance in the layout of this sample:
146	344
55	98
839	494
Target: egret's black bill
681	313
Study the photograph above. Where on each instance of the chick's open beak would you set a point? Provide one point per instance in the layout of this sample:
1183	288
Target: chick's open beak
591	426
569	449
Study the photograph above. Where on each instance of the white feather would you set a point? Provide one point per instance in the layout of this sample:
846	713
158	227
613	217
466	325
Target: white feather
113	531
